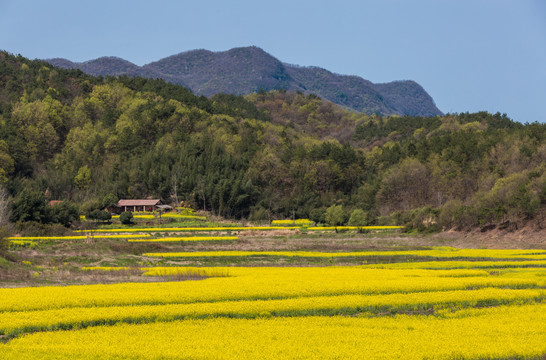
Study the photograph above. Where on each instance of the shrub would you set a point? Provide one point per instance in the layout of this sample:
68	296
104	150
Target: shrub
33	228
109	200
258	213
421	219
64	213
335	215
126	217
99	215
450	214
29	206
357	218
318	215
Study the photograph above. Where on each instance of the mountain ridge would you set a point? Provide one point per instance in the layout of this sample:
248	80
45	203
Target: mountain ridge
246	70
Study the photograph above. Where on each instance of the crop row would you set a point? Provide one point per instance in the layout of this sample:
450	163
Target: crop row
77	237
265	283
443	265
246	228
447	253
300	222
168	215
187	238
501	332
12	323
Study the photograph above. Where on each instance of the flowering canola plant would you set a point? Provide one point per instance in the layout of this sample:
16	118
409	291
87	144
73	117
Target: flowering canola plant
246	228
263	283
436	253
76	237
336	312
72	317
299	222
187	238
197	229
489	333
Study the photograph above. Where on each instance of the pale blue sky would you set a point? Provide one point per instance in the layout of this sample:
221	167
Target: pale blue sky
470	55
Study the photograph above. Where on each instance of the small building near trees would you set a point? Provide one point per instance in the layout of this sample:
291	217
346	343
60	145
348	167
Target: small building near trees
140	205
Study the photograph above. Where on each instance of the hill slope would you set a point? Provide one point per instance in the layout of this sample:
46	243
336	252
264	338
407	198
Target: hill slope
247	70
66	135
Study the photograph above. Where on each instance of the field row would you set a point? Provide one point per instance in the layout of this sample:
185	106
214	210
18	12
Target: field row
245	228
446	253
494	333
129	237
12	323
236	283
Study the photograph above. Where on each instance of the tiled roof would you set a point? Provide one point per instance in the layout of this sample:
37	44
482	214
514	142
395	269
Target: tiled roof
138	202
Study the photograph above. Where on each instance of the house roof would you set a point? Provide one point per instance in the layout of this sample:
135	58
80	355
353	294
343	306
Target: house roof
138	202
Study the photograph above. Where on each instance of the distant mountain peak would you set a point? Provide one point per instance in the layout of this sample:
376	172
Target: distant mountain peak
244	70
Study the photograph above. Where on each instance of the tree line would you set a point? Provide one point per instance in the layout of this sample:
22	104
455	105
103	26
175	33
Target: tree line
69	136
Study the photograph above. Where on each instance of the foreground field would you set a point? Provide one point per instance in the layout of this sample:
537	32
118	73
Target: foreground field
485	333
336	312
336	296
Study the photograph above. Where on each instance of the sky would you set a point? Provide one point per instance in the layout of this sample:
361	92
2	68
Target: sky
469	55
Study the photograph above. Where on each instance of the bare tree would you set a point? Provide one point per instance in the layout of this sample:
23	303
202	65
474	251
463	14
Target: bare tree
176	174
201	189
4	219
4	207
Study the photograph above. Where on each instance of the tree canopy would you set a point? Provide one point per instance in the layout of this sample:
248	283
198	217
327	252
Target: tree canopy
73	137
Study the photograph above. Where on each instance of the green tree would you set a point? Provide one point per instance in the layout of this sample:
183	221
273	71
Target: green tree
64	213
83	178
126	218
34	127
29	205
99	215
318	215
109	200
405	186
357	218
335	215
6	162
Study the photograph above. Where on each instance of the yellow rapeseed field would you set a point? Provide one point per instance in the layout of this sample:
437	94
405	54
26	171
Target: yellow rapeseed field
502	332
448	253
246	228
263	283
451	309
76	237
187	238
74	317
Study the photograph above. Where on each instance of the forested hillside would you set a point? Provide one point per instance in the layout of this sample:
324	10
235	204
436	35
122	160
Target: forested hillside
65	135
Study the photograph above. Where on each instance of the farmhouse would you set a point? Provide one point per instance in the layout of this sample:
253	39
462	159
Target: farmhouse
140	205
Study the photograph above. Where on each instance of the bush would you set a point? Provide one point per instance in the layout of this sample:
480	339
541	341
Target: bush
64	213
126	218
33	228
421	219
88	206
335	215
109	200
99	215
357	218
318	215
258	213
29	206
450	214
